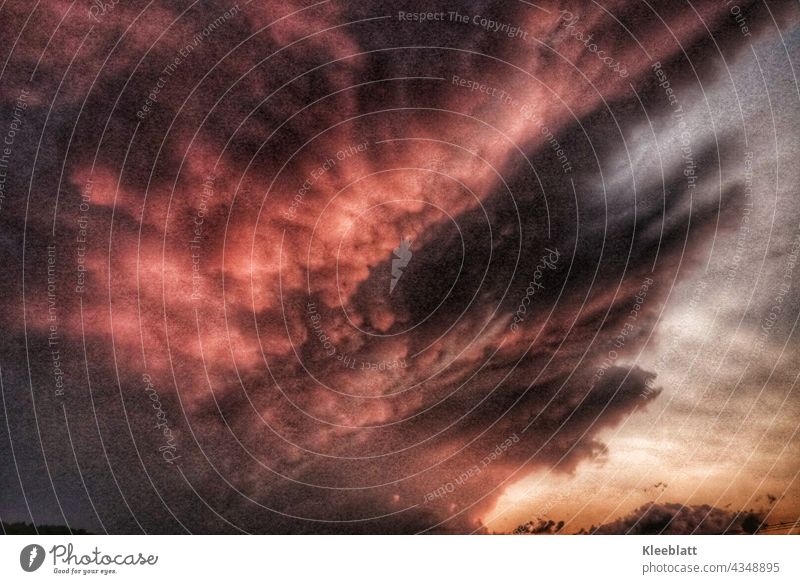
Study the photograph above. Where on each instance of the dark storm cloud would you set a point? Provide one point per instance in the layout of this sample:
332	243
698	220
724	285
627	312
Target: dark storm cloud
274	431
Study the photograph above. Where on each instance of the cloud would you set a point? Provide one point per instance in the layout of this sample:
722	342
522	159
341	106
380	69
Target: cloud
255	189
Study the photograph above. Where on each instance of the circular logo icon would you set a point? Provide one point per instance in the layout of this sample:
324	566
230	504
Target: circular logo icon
31	557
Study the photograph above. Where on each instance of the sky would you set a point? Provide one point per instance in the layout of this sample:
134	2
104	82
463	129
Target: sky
368	267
